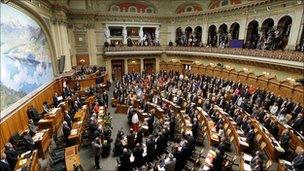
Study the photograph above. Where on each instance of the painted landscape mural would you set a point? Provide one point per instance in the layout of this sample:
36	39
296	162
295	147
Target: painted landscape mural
25	56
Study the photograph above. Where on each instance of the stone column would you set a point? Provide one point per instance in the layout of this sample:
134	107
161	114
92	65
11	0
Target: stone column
107	34
126	65
142	65
157	32
109	69
157	65
295	30
205	34
125	34
141	34
242	30
91	36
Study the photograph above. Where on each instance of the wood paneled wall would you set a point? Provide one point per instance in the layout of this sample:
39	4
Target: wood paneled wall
17	120
282	88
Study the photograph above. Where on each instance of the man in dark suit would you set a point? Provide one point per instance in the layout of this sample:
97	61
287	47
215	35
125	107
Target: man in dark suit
195	128
55	100
33	114
4	165
66	130
298	123
298	161
131	139
151	122
285	139
11	155
151	149
125	161
67	118
138	155
97	146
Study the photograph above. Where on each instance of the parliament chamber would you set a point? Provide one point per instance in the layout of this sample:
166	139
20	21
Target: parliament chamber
152	85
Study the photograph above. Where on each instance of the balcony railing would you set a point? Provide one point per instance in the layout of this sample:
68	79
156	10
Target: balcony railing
277	54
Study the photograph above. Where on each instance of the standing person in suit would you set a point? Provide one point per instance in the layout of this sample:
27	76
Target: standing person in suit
4	165
125	161
55	100
285	139
66	131
32	127
298	123
46	108
33	114
131	139
97	147
298	161
138	155
151	148
151	123
67	118
11	155
170	163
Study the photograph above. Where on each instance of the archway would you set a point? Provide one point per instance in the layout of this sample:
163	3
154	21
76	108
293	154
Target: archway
234	30
252	36
223	35
197	35
178	36
189	36
283	31
212	38
267	40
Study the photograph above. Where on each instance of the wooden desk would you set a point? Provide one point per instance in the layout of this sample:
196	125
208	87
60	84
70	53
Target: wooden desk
233	131
245	162
72	157
159	112
122	109
28	160
208	127
42	141
52	120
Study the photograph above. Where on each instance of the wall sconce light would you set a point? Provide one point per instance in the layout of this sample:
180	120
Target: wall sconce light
212	64
80	39
82	61
228	66
133	62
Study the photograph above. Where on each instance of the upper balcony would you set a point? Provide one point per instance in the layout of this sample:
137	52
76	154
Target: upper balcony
285	58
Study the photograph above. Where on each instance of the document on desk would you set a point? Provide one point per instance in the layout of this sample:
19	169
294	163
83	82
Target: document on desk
54	110
22	162
247	167
74	131
247	157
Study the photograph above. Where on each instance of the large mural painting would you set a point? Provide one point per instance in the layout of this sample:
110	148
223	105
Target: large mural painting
25	56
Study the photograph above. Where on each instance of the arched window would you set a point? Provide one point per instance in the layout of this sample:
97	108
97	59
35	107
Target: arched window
189	9
149	10
115	8
225	2
132	9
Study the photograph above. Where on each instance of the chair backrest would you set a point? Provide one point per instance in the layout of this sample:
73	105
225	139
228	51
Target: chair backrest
228	132
258	137
231	138
263	145
225	126
268	164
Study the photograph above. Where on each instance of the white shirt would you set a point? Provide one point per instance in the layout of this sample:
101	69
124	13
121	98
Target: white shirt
135	119
273	109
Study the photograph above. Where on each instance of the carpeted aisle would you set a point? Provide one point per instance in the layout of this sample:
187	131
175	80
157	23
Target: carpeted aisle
86	155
